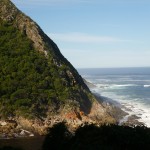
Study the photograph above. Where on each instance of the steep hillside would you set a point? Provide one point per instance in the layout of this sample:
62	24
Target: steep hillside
38	86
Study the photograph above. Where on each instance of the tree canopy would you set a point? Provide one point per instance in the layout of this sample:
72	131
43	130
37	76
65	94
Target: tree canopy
29	82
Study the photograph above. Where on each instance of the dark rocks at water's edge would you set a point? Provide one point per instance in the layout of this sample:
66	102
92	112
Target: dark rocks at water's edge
133	121
122	117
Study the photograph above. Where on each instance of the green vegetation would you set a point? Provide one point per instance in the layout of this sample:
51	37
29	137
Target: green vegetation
91	137
29	82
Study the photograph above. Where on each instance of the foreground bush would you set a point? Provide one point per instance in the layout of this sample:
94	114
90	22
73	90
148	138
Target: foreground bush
91	137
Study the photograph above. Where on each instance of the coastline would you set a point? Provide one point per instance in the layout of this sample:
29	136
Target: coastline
120	112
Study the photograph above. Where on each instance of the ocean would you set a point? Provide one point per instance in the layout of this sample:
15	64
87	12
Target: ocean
130	87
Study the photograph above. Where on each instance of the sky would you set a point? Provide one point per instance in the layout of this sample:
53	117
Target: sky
95	33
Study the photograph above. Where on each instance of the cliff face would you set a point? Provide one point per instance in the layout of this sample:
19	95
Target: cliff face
39	87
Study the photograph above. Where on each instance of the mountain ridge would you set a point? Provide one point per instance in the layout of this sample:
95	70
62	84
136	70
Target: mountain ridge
65	95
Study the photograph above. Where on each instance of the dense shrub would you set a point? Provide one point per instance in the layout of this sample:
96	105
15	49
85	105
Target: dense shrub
28	80
91	137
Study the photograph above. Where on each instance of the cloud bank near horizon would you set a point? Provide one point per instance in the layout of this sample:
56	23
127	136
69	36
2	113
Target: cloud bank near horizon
84	38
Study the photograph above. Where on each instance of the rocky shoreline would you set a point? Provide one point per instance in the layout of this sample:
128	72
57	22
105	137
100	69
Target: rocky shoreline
116	110
122	117
11	129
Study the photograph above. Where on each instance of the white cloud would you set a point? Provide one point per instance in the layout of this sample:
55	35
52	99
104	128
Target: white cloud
83	38
83	58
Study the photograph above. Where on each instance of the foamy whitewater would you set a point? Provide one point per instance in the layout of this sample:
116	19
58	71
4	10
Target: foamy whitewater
128	86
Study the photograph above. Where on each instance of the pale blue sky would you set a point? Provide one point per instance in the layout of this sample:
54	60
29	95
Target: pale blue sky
95	33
